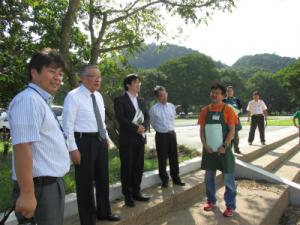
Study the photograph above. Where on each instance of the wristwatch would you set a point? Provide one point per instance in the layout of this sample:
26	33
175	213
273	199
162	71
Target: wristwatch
225	145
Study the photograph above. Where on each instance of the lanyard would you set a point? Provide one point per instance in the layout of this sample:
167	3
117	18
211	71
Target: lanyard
60	127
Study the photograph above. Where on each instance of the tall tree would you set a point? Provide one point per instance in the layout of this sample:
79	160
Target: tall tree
88	30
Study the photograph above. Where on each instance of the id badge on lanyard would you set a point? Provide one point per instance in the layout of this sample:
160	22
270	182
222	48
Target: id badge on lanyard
216	116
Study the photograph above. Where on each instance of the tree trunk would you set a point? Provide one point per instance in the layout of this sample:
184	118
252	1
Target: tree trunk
110	119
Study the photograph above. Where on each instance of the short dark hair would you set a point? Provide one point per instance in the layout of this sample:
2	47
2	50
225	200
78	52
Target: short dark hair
45	57
128	80
157	89
220	87
84	69
256	93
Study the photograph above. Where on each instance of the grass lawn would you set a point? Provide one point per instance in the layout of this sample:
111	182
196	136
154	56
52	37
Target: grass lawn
276	122
114	172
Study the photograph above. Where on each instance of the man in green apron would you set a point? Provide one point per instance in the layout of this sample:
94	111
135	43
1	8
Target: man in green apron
217	126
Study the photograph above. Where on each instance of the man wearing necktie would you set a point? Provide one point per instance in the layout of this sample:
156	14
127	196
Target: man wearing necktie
84	125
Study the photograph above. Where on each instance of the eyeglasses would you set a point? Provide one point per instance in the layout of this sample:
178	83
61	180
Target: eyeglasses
92	77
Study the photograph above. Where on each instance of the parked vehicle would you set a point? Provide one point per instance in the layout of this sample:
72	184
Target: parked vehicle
4	125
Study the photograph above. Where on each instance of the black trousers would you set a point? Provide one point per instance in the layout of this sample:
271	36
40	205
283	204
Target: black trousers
257	120
132	168
166	147
92	171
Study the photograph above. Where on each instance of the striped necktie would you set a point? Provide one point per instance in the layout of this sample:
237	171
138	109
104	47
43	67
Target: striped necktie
101	130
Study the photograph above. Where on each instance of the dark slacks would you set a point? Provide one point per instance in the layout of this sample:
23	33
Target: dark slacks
166	147
257	120
236	140
93	170
50	202
132	168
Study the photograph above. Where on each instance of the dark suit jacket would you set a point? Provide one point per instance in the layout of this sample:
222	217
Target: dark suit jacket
125	112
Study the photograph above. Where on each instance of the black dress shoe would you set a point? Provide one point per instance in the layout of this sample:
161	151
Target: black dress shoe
129	201
141	198
179	183
110	217
237	151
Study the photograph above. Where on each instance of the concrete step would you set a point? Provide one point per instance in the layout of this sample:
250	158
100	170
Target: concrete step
275	157
162	201
253	152
257	204
290	168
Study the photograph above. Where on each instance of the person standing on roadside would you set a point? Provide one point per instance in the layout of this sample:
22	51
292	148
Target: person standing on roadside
236	104
40	155
217	126
296	116
162	116
133	119
257	109
84	125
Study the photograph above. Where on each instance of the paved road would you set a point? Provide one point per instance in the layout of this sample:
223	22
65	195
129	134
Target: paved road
189	135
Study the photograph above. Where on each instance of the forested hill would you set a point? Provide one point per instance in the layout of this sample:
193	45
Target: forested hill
269	62
154	56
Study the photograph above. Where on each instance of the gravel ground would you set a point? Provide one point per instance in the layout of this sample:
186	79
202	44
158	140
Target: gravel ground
291	216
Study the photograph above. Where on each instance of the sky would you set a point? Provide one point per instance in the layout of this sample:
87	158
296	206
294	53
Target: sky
253	27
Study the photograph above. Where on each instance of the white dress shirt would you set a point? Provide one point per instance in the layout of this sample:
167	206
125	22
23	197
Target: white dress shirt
256	107
32	121
78	114
162	117
133	99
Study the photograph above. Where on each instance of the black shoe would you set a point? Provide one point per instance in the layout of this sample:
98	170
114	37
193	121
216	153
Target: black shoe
237	151
129	201
141	198
263	143
250	143
165	184
110	217
179	183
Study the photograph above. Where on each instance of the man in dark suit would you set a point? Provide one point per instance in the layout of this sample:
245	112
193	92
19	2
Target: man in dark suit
133	119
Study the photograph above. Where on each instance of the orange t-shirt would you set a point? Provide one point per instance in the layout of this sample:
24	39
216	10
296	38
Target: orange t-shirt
229	115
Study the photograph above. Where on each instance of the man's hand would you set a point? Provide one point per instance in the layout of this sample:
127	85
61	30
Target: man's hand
26	204
208	149
221	150
141	129
75	156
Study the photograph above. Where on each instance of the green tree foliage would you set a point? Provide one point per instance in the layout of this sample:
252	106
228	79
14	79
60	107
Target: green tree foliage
269	62
271	92
189	79
150	78
289	79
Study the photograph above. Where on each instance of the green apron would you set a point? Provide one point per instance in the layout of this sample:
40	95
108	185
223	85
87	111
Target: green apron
223	162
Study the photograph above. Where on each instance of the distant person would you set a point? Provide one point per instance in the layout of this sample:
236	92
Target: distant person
217	126
84	125
40	154
236	103
296	116
162	116
257	109
133	119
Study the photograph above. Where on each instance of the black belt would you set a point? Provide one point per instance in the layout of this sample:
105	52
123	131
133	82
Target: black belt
44	180
168	132
258	115
86	134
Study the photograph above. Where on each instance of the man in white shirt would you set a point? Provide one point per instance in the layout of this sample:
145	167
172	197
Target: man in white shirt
257	109
84	125
162	116
40	155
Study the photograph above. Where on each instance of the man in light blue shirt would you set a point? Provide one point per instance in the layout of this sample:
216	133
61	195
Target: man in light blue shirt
40	155
162	116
